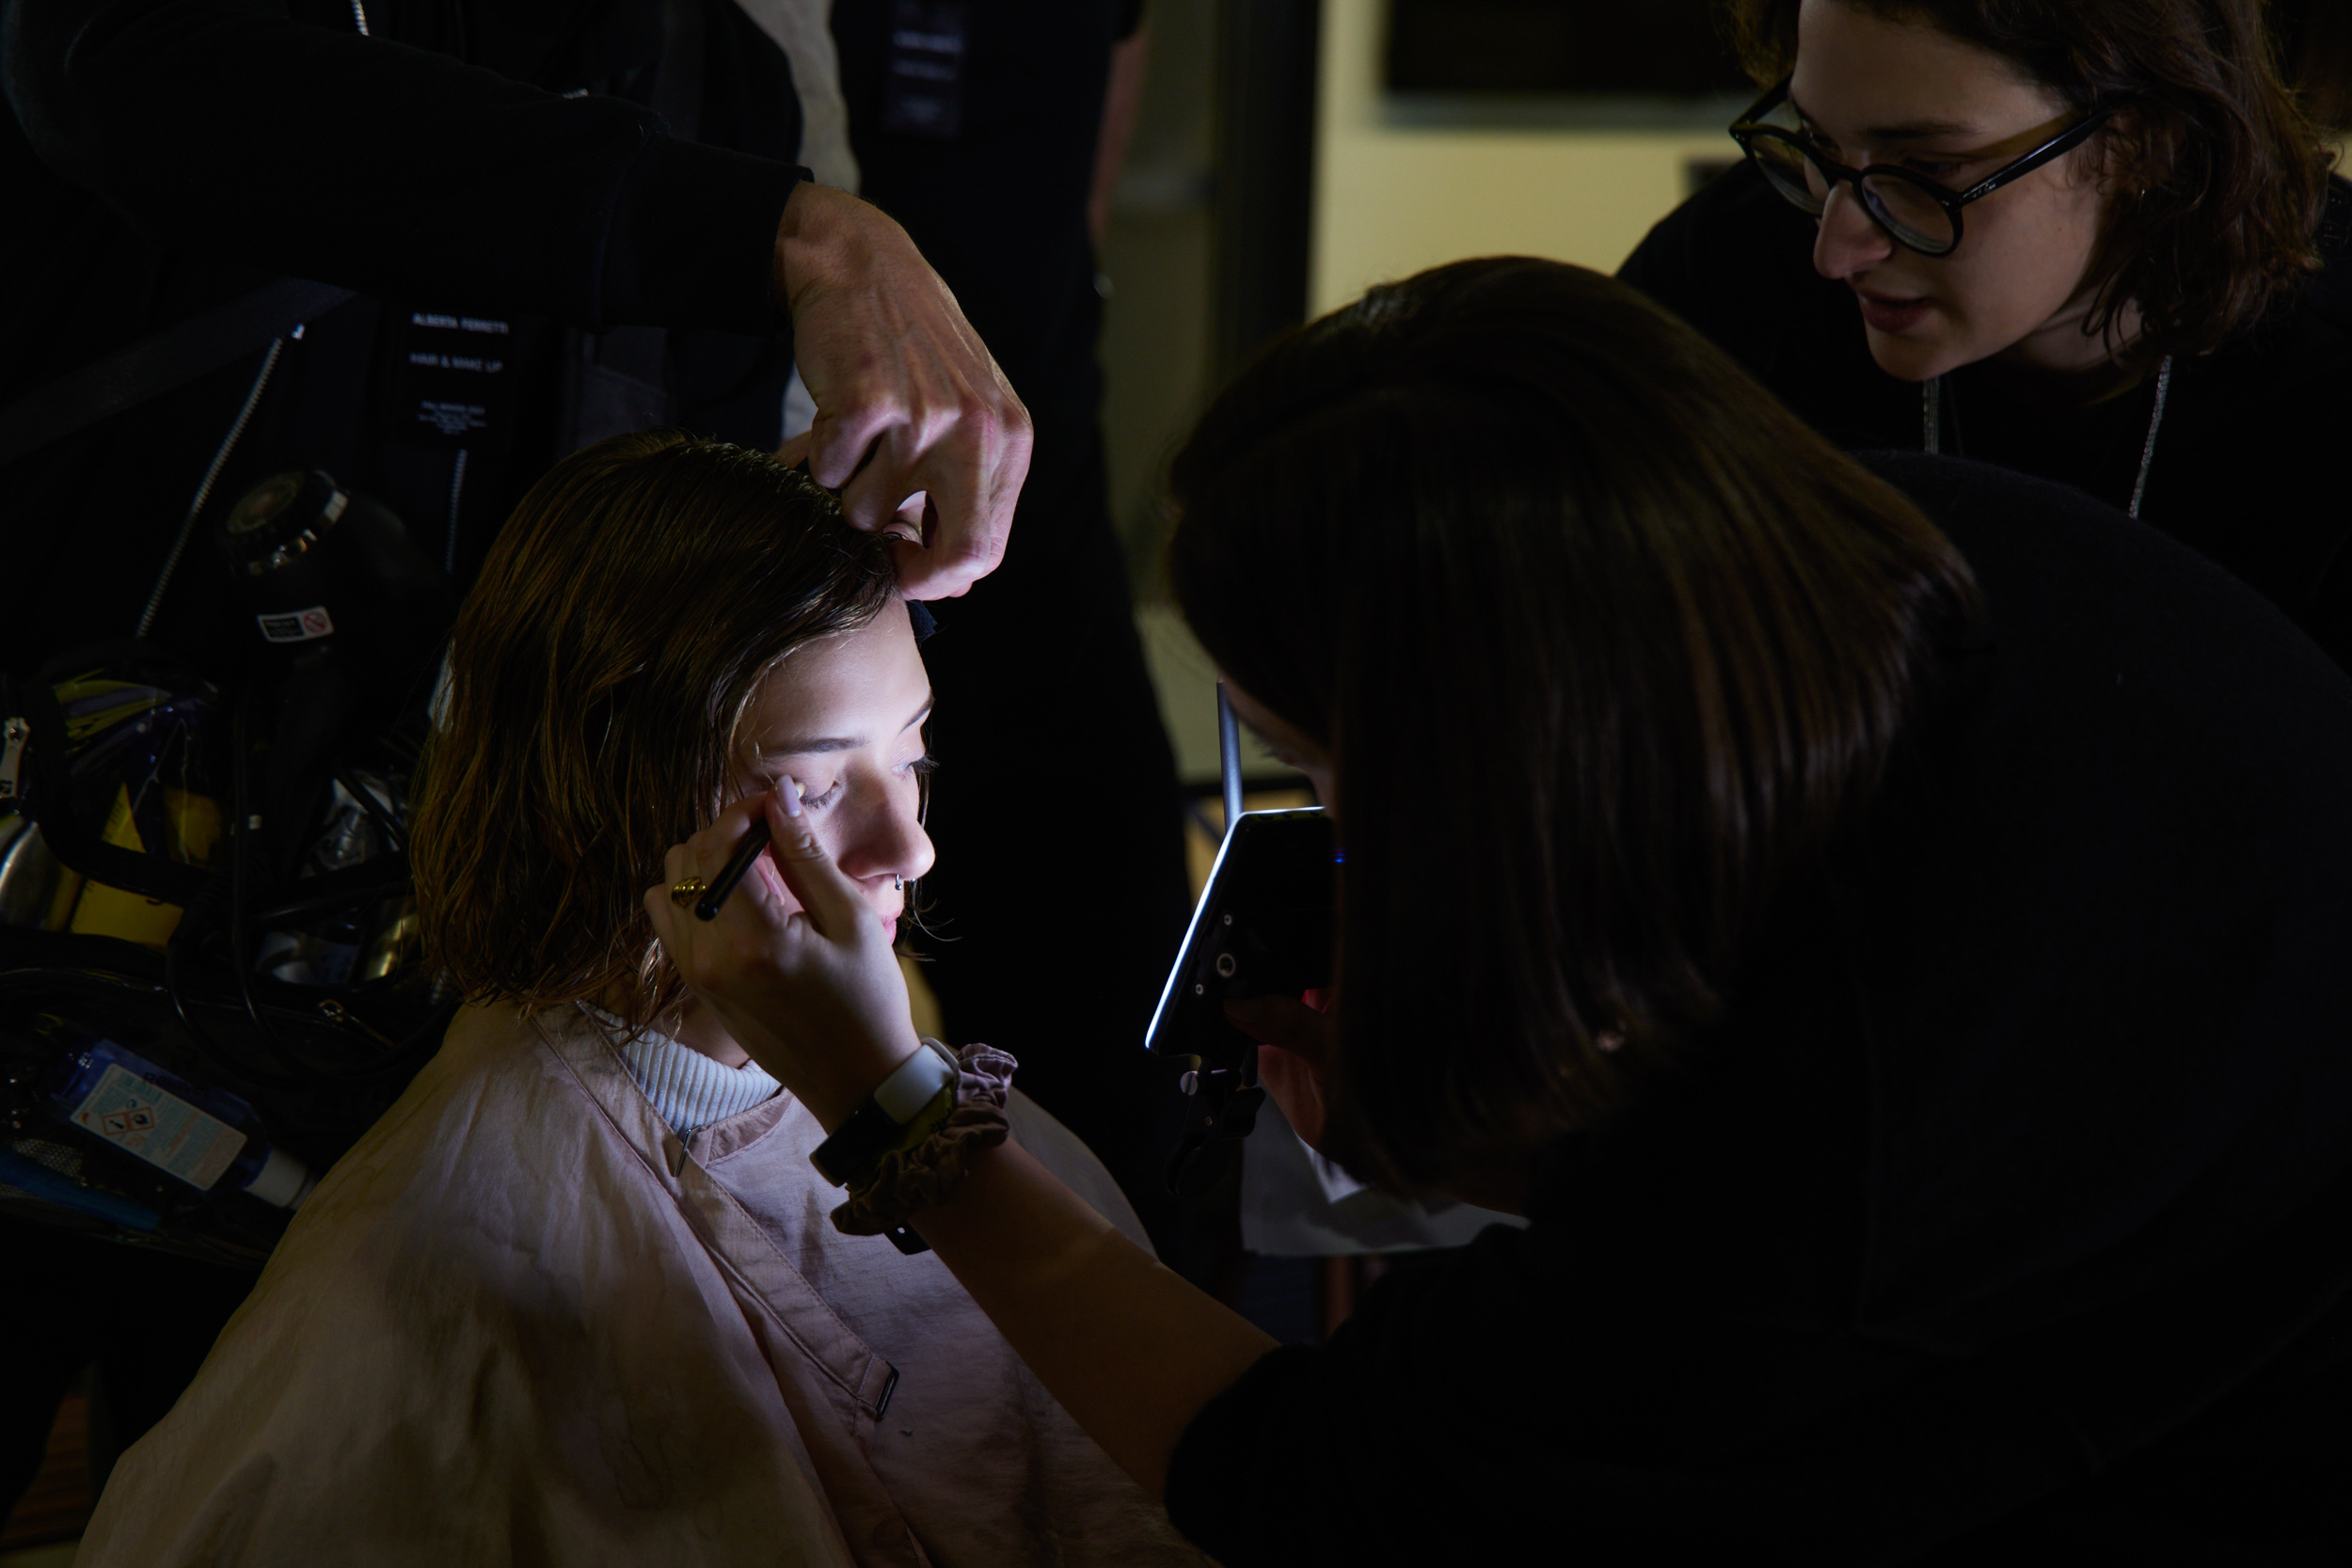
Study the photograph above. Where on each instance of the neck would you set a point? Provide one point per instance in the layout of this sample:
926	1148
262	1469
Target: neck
698	1029
2060	349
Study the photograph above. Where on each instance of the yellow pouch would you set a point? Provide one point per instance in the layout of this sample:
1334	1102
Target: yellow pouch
194	821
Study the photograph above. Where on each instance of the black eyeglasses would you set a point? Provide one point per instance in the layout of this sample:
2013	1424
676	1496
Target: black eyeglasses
1914	210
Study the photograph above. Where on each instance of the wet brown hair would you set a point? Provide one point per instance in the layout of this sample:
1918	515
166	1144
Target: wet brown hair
2215	175
598	676
1605	644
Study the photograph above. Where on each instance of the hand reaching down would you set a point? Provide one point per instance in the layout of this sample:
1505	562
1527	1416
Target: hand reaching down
1295	1050
907	399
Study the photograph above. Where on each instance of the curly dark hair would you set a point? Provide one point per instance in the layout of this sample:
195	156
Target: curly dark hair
2215	172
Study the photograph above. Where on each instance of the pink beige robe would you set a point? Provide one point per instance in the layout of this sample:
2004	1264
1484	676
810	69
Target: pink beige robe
523	1321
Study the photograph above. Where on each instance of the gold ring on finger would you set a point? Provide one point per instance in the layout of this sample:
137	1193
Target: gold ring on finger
685	893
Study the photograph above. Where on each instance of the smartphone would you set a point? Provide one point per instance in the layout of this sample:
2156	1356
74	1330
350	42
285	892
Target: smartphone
1263	927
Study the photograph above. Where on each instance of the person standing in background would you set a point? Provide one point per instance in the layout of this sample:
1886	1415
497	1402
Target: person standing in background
992	129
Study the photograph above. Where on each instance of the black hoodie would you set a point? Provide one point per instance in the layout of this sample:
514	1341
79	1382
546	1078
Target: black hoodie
2008	1216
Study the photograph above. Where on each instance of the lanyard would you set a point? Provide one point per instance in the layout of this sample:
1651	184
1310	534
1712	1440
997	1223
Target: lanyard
1932	427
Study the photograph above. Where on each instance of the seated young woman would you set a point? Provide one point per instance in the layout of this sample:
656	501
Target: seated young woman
577	1298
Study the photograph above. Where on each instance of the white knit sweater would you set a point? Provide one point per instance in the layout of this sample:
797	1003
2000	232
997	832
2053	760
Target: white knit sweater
688	1090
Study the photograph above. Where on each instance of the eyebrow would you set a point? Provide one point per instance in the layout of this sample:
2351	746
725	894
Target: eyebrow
1917	130
1921	130
819	745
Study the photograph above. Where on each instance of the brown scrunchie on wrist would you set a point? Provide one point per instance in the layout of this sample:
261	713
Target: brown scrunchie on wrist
909	1181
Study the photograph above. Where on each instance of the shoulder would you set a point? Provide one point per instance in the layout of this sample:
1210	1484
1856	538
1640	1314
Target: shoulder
461	1314
2305	347
1729	211
2016	529
493	1077
1733	245
496	1161
2092	595
1960	495
1736	263
2328	296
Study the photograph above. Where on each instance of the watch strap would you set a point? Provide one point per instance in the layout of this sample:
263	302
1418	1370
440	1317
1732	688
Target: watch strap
878	1125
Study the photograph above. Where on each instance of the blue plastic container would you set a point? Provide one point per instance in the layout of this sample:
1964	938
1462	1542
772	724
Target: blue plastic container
207	1137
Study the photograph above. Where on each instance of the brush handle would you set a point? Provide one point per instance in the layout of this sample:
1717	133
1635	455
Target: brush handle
715	896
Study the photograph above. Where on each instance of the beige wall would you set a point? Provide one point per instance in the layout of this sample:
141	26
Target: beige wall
1394	197
1390	200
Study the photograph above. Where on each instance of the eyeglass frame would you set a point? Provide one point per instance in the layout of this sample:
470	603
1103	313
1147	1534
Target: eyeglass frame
1749	127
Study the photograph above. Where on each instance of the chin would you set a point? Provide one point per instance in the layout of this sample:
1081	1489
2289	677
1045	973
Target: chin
1911	358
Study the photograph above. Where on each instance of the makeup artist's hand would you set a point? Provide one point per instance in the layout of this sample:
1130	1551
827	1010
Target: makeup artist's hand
907	399
1294	1053
797	965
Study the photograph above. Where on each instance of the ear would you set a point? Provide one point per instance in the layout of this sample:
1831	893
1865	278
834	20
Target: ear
2121	159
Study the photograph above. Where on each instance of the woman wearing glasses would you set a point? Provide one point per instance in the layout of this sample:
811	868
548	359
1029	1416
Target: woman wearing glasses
2093	242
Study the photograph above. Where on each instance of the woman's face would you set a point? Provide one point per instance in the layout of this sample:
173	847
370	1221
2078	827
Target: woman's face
1287	744
844	716
1872	90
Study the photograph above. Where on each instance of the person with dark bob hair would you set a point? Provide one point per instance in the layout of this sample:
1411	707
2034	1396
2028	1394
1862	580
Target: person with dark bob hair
573	1299
1882	921
2096	242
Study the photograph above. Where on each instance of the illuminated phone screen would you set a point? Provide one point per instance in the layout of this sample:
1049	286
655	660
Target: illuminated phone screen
1262	928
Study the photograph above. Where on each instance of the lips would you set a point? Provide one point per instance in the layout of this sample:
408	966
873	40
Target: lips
1882	313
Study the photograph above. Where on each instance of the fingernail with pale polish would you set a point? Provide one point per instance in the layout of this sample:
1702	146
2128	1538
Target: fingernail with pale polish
792	791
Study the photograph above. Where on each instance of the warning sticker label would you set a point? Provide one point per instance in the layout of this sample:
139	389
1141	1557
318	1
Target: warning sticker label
162	1128
299	625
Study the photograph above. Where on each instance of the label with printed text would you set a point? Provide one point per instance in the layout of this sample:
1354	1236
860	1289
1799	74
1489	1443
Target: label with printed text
162	1128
